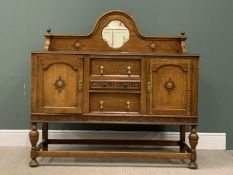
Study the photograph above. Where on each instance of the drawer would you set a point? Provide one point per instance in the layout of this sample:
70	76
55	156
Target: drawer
115	67
114	102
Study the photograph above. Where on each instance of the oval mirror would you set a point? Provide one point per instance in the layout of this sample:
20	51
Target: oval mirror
115	34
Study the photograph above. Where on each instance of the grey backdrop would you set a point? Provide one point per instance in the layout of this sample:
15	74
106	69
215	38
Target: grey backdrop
208	24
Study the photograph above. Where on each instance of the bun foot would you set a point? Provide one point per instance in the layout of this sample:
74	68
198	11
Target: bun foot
33	163
192	165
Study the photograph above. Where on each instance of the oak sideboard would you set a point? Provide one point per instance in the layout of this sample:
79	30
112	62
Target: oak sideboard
114	75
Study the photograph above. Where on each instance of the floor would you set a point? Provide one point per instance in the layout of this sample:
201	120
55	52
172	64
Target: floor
14	161
231	152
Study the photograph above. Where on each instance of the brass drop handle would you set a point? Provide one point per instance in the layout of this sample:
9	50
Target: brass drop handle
149	87
80	85
101	105
128	104
129	70
101	70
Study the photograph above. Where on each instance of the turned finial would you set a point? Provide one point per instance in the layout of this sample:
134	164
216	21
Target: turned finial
48	30
182	33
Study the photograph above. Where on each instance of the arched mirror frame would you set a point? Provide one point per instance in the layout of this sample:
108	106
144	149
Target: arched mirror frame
116	16
115	34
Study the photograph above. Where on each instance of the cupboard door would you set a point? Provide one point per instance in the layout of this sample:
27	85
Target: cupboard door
60	83
169	87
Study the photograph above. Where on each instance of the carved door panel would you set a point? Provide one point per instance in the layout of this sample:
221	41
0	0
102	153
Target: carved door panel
169	87
60	84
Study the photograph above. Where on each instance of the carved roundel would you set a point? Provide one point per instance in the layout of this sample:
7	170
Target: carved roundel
77	45
169	85
153	46
60	84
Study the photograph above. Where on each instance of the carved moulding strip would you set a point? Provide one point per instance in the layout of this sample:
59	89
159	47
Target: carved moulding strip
114	85
121	119
47	63
156	67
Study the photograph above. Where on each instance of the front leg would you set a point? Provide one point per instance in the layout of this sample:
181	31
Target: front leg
33	136
193	140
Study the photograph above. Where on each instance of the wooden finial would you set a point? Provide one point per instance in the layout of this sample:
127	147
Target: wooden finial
47	39
182	42
48	30
182	33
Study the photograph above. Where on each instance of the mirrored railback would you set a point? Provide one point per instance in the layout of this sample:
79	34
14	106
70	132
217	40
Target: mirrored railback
115	31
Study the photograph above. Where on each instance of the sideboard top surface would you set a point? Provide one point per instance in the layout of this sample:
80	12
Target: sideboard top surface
117	53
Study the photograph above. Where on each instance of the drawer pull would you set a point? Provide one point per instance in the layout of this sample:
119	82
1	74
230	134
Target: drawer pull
101	105
80	85
128	104
129	70
101	70
149	87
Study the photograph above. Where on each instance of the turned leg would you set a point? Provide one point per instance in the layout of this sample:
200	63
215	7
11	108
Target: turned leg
33	136
193	140
182	138
45	136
